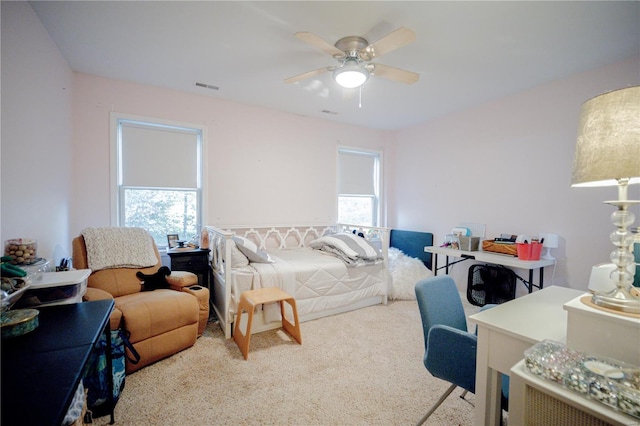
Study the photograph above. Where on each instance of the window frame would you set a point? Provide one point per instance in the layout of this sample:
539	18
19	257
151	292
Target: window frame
377	184
117	215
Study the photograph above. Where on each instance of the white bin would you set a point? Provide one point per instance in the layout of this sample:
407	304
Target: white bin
56	288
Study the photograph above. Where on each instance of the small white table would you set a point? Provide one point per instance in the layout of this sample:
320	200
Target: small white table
603	332
505	332
493	258
556	404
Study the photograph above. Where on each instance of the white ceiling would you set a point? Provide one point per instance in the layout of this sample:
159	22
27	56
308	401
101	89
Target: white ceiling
466	53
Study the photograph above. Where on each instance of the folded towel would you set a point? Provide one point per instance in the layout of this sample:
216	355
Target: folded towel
115	247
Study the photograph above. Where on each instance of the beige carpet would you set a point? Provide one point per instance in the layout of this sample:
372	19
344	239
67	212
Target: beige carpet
359	368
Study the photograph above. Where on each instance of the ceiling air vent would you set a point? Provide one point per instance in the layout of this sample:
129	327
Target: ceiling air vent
207	86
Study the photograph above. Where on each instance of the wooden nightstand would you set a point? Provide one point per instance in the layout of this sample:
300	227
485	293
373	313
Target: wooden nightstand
196	261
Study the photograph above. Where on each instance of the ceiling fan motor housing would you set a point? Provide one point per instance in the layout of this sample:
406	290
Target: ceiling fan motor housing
353	47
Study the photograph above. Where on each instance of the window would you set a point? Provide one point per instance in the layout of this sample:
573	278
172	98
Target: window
158	177
358	187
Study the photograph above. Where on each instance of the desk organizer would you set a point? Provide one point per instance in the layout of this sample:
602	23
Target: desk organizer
500	248
469	243
608	381
529	251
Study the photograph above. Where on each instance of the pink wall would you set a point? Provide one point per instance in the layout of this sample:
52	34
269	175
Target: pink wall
262	166
37	87
507	164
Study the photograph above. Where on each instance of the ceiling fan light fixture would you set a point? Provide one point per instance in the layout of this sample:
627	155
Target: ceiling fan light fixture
351	75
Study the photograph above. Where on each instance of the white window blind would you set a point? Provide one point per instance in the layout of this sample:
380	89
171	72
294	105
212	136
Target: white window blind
157	176
158	157
357	173
358	186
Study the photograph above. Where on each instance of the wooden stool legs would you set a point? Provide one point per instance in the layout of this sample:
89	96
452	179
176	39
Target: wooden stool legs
242	340
248	302
292	329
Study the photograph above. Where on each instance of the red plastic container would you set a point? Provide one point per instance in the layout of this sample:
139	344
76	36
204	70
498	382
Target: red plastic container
529	251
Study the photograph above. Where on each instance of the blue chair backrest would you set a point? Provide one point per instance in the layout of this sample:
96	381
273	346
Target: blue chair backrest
439	302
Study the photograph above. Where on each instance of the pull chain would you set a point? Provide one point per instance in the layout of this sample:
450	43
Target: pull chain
360	99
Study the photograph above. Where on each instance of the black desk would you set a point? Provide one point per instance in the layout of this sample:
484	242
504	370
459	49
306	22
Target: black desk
42	369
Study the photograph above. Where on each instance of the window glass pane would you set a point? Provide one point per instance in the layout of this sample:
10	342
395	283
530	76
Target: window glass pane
162	212
356	210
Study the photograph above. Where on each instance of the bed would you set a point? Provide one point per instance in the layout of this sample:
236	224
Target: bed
322	284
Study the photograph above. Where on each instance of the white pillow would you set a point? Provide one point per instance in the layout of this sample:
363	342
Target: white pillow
251	250
238	260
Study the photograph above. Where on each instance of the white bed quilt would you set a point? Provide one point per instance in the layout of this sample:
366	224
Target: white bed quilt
318	281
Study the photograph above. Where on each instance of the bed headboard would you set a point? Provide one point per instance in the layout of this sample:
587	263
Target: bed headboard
412	243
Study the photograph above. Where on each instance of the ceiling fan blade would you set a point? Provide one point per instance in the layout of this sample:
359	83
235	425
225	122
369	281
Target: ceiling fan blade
395	74
316	41
392	41
306	75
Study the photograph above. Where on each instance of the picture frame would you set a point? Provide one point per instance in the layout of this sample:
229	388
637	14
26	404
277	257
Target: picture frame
172	239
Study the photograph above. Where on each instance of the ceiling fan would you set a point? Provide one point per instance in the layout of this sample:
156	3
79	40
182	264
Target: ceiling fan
354	55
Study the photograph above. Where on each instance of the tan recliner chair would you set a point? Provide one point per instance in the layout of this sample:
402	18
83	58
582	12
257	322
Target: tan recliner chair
161	322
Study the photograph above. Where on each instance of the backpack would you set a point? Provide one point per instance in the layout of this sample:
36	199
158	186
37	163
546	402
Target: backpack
96	379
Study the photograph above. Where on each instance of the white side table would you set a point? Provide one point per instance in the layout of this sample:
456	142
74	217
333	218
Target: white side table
537	401
603	332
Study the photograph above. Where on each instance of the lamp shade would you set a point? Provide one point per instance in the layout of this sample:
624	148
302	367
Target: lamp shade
350	75
550	240
608	144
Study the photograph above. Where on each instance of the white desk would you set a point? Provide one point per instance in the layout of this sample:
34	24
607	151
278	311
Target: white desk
505	332
493	258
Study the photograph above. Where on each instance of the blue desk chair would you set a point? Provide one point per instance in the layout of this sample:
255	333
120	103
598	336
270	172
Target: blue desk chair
450	350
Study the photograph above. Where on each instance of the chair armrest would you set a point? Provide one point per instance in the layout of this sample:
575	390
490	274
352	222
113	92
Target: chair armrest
451	356
178	280
93	294
96	294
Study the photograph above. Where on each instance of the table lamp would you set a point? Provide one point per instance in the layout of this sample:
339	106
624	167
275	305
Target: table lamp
607	154
549	241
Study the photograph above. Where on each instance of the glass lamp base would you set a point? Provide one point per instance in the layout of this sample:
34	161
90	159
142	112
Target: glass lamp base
619	299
